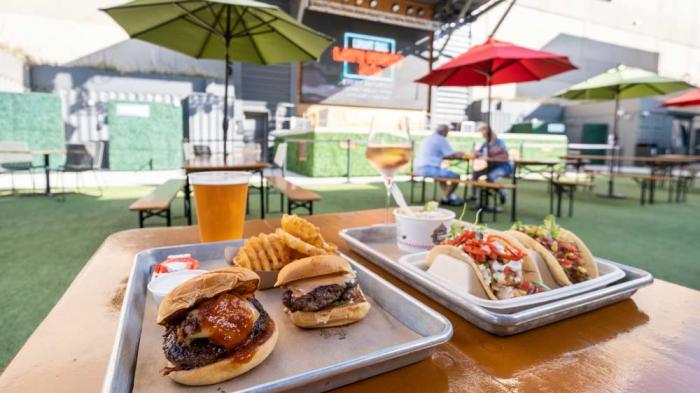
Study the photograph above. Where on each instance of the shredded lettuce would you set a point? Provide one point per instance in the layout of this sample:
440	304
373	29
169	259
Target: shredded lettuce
517	225
459	226
550	225
431	206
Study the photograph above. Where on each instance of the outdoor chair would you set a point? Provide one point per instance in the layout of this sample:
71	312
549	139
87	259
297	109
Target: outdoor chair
83	158
16	157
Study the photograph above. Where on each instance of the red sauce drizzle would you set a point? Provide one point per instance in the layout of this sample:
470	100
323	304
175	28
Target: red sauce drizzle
228	319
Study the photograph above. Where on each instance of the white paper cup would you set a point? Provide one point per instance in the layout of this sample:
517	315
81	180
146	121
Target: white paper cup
165	283
415	234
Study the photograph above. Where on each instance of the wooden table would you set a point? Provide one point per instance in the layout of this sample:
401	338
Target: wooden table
209	164
648	343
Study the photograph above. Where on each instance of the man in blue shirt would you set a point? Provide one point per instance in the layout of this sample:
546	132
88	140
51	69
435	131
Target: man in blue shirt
498	164
431	152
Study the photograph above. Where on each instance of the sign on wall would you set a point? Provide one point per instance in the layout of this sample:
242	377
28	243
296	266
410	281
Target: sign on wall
367	57
371	64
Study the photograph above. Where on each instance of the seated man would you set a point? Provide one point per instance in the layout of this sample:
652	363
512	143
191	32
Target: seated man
432	151
496	169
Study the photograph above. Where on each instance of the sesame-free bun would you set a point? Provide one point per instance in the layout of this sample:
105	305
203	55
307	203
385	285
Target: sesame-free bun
177	302
309	267
227	368
335	316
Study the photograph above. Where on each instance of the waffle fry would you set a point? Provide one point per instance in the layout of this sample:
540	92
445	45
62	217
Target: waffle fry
297	239
306	231
297	244
263	252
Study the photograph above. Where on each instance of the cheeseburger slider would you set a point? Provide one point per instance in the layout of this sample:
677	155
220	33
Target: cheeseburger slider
215	329
321	292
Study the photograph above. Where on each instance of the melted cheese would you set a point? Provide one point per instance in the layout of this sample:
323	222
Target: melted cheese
302	287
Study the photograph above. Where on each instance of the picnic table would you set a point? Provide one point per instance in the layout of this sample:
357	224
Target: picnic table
209	164
520	165
46	153
667	162
648	343
47	168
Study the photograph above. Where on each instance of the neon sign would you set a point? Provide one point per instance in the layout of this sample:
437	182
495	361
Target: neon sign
367	57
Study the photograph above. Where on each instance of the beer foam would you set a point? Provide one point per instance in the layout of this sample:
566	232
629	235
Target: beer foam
219	178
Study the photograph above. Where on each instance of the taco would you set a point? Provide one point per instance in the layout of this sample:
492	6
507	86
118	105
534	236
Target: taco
501	263
568	258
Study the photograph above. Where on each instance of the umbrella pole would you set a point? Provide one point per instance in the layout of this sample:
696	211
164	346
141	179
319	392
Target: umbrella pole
226	77
611	183
488	120
488	113
613	155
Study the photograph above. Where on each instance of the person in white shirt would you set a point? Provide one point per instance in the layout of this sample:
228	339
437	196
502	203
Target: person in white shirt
432	151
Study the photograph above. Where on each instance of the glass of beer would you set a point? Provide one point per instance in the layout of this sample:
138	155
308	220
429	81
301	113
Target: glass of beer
221	200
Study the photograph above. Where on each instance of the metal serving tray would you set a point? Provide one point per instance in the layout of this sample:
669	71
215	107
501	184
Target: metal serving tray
426	329
377	243
609	273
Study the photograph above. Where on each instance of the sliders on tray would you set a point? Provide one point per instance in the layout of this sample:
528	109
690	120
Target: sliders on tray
215	329
321	291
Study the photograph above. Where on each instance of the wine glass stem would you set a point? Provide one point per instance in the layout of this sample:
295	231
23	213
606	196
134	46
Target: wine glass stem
388	180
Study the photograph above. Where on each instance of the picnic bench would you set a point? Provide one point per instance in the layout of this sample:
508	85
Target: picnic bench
297	197
566	187
648	184
487	190
157	202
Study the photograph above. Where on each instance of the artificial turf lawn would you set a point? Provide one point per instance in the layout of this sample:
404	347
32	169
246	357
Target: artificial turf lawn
45	242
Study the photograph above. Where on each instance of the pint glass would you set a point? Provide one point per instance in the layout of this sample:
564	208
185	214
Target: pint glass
220	198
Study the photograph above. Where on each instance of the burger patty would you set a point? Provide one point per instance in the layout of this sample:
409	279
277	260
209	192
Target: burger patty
202	351
320	297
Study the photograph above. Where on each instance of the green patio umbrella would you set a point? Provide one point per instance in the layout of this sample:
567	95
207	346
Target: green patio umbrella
246	31
619	83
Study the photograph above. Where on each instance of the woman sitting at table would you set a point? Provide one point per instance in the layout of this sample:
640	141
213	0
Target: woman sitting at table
497	162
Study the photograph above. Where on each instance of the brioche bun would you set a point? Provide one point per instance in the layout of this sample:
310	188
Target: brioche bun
226	368
177	302
315	266
335	316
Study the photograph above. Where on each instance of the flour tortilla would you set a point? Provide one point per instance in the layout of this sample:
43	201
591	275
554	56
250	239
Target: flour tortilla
554	267
530	271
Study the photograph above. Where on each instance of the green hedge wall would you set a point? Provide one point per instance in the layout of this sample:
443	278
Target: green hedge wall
326	152
134	141
34	118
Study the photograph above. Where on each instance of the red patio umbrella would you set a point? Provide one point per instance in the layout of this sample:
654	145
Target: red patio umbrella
690	98
497	62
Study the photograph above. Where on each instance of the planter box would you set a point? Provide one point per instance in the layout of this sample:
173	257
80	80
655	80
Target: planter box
325	154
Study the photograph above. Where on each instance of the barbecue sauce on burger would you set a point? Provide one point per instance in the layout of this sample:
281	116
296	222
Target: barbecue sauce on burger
228	319
227	326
